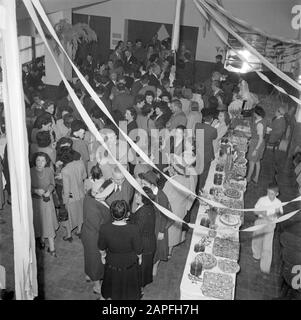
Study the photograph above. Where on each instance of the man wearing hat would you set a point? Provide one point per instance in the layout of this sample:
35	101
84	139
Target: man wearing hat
149	179
78	130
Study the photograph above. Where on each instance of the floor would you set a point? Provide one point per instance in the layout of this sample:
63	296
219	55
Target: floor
62	278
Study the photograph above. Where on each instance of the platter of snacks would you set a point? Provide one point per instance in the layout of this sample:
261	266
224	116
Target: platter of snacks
228	266
225	248
217	285
218	179
219	167
205	240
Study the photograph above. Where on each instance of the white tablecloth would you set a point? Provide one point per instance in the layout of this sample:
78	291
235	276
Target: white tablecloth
188	289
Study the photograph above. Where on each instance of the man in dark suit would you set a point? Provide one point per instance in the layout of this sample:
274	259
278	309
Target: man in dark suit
122	100
205	134
154	78
122	188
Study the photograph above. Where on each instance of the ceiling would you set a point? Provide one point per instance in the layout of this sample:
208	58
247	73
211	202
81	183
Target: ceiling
51	6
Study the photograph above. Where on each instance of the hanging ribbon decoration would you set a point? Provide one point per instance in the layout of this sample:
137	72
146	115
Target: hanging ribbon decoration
99	138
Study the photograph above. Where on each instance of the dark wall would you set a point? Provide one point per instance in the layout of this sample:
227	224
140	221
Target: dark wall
102	27
145	30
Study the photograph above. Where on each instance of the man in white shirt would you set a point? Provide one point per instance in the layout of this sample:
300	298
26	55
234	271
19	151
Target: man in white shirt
262	242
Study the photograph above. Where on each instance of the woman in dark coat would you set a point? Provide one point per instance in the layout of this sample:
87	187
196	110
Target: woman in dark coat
120	246
96	213
145	218
149	179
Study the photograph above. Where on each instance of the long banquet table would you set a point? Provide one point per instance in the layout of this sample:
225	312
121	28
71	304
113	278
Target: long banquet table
191	286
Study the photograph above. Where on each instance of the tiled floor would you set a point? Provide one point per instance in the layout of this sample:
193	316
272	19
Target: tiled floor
62	278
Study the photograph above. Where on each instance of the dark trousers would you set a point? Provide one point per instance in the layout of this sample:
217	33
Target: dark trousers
203	176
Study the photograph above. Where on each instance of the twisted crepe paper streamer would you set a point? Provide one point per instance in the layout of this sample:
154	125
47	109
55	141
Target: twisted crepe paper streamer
104	109
246	25
249	47
93	129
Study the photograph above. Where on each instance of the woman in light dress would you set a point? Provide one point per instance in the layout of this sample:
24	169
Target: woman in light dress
180	169
44	215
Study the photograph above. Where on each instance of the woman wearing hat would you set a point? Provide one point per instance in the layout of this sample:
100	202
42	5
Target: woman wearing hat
120	246
95	213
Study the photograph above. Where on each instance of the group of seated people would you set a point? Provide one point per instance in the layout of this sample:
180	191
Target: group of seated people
77	184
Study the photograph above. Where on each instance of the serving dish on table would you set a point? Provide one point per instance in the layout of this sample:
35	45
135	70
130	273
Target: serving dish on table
240	170
225	248
238	185
230	220
241	161
217	285
207	260
205	240
228	266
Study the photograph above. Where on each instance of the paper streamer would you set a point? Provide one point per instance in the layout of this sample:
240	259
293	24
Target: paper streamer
93	129
268	64
246	25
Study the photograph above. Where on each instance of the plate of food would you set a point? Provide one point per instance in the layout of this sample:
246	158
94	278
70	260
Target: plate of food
217	285
225	248
232	193
207	260
228	266
229	220
241	161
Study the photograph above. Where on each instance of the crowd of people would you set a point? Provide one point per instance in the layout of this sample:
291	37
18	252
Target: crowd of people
76	183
